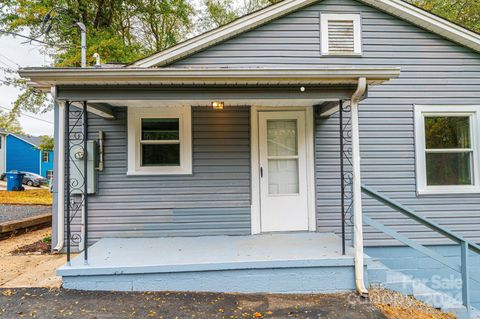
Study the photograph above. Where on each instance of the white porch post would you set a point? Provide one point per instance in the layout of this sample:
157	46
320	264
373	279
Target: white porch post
357	192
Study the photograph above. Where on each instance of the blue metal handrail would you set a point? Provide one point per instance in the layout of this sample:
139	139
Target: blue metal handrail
465	244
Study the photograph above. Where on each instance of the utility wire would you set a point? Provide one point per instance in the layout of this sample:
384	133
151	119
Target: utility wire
31	39
5	64
30	116
9	60
24	36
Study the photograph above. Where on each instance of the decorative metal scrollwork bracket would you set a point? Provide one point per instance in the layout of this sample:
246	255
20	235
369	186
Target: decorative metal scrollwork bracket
346	176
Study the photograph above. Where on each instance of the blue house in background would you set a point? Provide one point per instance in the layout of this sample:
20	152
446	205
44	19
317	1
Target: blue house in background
23	154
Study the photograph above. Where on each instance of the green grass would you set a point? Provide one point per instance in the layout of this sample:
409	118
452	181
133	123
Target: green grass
27	197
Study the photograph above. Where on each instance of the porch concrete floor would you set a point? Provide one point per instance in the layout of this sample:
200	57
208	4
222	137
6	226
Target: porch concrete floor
176	254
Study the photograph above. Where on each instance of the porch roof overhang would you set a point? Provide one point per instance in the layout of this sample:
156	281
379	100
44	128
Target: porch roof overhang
47	78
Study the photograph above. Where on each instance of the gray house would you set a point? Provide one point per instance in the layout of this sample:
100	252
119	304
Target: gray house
312	146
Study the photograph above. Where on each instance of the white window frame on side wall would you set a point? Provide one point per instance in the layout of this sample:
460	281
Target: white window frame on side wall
420	149
357	27
135	116
47	154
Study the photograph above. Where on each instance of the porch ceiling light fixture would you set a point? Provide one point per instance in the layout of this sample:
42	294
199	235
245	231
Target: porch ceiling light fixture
218	106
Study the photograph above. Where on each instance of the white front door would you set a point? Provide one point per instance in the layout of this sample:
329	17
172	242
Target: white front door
283	171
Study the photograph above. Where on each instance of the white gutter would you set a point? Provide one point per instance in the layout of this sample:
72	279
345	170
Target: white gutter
60	179
47	77
357	195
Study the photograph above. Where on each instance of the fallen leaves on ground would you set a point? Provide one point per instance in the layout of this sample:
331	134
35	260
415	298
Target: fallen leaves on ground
409	313
39	247
8	292
397	306
27	197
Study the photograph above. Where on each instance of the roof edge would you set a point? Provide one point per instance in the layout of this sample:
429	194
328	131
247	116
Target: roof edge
43	78
429	21
207	39
24	140
398	8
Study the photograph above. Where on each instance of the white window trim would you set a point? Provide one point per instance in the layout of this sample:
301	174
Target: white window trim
135	115
357	29
445	110
45	153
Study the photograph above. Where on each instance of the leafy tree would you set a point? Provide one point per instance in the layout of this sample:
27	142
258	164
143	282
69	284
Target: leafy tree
463	12
119	30
10	123
221	12
47	143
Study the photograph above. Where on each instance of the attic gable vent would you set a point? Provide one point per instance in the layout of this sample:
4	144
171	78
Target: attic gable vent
341	38
341	34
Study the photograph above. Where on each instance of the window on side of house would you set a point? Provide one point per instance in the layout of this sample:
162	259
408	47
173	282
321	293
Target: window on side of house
49	174
341	34
45	156
159	141
447	149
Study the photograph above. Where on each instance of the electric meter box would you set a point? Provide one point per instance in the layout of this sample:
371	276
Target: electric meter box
77	157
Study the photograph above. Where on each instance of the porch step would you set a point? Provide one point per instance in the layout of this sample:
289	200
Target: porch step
381	275
275	263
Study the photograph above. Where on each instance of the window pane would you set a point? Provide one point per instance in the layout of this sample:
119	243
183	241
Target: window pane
282	137
449	169
160	129
447	132
160	154
283	177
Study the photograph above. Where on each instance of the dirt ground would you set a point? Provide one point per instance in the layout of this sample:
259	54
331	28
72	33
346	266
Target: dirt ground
43	303
28	270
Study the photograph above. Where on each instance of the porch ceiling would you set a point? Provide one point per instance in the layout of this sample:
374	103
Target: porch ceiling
46	78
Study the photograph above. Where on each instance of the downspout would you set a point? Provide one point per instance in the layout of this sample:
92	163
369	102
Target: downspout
60	177
83	43
357	194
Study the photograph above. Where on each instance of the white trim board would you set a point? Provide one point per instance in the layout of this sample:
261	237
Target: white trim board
398	8
255	171
45	78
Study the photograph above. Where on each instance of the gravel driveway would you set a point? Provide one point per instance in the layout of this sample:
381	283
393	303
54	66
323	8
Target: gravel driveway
15	212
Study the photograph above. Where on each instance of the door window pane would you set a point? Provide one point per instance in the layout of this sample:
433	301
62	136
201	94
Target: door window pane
282	137
447	132
160	129
283	176
449	168
160	154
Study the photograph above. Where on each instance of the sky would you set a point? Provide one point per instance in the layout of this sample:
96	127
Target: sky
15	53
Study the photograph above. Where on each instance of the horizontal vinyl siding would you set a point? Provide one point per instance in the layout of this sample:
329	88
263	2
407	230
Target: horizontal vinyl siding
433	71
214	200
